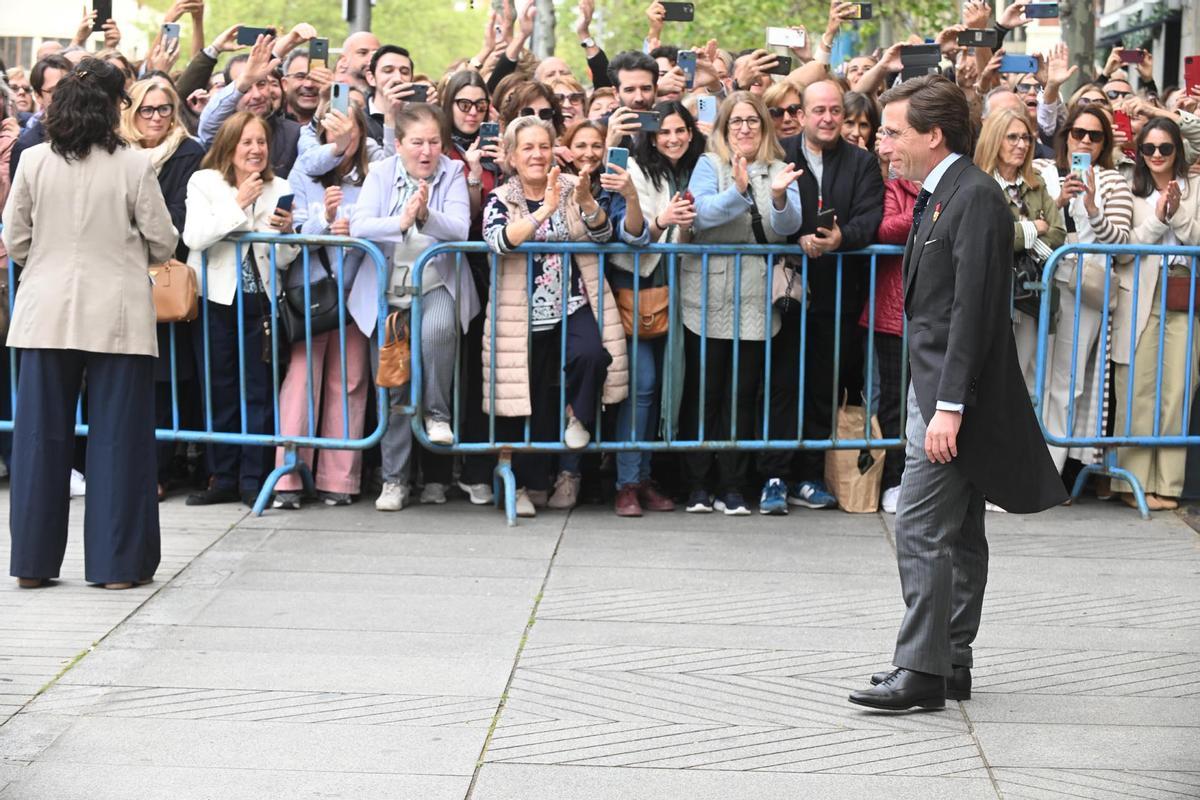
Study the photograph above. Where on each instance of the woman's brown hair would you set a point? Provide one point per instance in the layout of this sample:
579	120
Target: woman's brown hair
769	148
220	155
1062	160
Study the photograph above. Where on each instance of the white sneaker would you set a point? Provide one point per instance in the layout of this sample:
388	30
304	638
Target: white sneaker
438	432
525	505
480	494
78	485
890	498
566	492
993	507
393	497
576	436
434	493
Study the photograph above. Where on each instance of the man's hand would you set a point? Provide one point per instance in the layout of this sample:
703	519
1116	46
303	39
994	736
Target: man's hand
1059	68
259	65
622	123
752	68
656	13
673	82
587	8
947	40
226	41
976	14
990	77
941	437
197	100
1013	16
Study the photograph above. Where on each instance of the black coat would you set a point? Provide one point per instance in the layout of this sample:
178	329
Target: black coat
285	143
852	185
957	290
173	180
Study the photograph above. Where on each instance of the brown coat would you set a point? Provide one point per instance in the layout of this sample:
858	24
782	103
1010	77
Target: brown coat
512	327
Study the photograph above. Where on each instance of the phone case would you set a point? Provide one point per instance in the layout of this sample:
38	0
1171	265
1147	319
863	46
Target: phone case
1023	64
679	12
1041	11
706	109
1191	71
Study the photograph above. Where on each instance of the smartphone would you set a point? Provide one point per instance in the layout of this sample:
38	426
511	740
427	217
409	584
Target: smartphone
785	37
706	109
284	203
339	99
1191	72
825	218
861	11
1021	64
420	94
1080	164
619	157
649	120
1132	56
920	55
489	133
686	61
250	35
1041	11
783	66
318	54
679	12
980	37
1123	123
103	9
170	30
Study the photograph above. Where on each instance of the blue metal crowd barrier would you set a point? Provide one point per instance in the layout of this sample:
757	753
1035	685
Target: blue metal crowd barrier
1078	405
673	255
290	442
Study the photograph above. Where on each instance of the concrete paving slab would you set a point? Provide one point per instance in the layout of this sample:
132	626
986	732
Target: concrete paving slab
1054	709
1089	747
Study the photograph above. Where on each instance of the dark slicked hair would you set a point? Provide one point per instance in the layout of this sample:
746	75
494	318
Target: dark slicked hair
86	111
37	75
935	102
629	61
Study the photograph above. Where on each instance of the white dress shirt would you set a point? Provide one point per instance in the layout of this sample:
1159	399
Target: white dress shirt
930	185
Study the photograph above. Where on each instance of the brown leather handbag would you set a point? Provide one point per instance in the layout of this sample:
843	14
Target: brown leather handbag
395	357
1179	293
176	295
654	305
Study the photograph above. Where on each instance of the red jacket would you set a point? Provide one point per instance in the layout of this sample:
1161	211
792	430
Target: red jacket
899	197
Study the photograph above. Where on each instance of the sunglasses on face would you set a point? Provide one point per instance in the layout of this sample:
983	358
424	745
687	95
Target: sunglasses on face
574	98
792	111
1166	149
164	111
1018	138
1087	101
1113	94
23	89
465	106
540	113
1028	88
1079	134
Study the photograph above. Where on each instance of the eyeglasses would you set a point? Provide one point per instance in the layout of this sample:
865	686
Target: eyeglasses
1166	149
752	123
792	111
297	76
1079	134
1113	94
574	98
465	106
165	111
1028	88
1018	138
540	113
888	133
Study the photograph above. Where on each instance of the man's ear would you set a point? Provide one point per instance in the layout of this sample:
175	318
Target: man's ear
936	137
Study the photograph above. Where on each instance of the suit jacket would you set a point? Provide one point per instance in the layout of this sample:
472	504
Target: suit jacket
957	289
86	230
851	184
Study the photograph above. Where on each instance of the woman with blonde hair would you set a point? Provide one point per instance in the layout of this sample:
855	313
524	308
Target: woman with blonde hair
152	122
1005	151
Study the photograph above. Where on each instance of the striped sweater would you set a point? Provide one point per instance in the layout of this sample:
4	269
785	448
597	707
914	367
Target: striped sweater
1114	202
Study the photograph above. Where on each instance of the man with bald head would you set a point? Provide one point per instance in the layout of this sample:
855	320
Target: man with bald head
550	68
844	178
357	51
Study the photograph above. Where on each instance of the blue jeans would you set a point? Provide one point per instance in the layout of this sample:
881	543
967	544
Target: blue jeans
640	410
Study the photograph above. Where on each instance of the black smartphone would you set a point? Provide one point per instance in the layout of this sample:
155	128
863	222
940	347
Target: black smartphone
825	218
649	120
783	66
249	36
679	12
618	157
917	55
420	94
980	37
284	203
339	98
103	9
861	11
686	61
318	54
1041	11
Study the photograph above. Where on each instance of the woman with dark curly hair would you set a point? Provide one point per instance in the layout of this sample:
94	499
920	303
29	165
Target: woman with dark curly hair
85	307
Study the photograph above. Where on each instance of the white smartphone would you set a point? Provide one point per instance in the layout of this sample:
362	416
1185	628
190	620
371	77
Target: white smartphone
706	109
785	37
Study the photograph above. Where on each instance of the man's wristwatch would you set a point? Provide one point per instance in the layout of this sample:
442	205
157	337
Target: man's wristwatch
586	43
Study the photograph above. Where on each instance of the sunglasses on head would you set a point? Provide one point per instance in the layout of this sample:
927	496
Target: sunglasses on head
1166	149
465	106
1079	134
792	111
540	113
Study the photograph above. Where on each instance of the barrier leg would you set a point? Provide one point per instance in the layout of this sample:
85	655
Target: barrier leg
291	463
1139	493
504	473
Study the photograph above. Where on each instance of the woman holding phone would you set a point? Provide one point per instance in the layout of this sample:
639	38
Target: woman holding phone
237	191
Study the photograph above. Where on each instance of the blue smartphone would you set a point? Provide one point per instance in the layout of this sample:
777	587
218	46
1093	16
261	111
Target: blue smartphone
1081	163
1023	64
706	109
1041	11
339	100
618	157
686	61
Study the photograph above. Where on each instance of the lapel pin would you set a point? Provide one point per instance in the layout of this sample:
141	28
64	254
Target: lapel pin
937	211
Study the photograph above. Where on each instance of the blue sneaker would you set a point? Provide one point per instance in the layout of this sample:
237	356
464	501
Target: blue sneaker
699	502
732	504
774	499
811	494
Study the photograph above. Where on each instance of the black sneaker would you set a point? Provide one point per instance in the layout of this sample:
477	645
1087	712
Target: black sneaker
214	495
733	504
699	502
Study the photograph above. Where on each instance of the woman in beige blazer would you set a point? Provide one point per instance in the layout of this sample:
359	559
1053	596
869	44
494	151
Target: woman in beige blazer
86	217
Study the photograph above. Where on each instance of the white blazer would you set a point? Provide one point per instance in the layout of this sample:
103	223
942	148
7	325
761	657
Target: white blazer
213	214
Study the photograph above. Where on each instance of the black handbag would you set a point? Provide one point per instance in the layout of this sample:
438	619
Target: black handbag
1026	269
786	292
323	301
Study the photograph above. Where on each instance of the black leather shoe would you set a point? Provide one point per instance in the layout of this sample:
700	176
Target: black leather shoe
249	498
958	687
213	496
904	689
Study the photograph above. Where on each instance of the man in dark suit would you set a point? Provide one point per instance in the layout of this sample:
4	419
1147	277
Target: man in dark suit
971	430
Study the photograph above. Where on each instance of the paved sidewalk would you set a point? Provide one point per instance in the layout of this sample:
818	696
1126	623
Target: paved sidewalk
436	654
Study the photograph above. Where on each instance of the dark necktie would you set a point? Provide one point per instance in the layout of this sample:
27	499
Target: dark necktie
919	208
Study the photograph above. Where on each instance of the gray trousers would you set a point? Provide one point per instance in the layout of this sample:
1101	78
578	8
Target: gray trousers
943	557
439	335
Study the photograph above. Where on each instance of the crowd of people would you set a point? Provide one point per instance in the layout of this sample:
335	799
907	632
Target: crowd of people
728	151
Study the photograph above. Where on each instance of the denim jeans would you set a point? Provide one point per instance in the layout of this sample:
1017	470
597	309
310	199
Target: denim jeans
640	411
